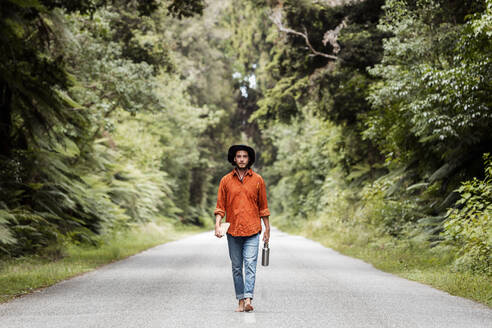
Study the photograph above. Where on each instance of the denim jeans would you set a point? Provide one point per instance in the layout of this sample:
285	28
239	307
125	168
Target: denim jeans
243	250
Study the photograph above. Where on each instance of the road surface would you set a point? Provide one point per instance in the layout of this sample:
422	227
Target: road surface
188	283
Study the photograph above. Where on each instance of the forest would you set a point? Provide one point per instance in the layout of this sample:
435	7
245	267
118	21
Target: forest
371	119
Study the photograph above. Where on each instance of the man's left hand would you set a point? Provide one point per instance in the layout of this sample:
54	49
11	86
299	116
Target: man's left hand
266	235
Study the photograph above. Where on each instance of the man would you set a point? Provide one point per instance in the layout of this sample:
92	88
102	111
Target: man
242	196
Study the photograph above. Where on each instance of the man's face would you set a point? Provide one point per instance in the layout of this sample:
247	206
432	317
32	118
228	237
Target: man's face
241	159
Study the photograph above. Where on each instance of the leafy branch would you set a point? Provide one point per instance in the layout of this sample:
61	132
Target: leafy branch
330	36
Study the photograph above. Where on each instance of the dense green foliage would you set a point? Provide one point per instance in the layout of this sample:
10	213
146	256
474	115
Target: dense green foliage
373	114
471	225
368	116
98	129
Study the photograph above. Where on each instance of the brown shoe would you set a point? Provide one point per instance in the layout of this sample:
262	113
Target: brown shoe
240	307
248	307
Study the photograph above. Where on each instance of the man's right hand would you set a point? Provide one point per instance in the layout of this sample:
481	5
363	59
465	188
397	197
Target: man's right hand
217	231
218	218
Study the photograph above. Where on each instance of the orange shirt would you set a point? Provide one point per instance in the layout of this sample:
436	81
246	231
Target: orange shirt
244	202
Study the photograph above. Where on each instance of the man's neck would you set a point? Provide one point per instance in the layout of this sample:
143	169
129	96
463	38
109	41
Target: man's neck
241	171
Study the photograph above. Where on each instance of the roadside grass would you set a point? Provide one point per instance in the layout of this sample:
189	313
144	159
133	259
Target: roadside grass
24	275
410	259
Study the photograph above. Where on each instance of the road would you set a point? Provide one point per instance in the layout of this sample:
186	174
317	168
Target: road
188	283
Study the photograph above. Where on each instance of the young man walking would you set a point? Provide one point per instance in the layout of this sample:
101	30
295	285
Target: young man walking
242	199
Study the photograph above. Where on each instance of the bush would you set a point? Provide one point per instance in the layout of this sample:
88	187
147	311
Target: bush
470	227
387	213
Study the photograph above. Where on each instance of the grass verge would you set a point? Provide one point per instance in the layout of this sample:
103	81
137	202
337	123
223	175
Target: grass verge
410	259
23	275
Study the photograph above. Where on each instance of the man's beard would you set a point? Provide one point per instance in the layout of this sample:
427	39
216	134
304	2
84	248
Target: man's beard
244	168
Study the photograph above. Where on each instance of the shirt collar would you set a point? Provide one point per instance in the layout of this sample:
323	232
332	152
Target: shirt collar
248	172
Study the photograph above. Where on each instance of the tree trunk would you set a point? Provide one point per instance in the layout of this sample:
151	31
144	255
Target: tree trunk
5	118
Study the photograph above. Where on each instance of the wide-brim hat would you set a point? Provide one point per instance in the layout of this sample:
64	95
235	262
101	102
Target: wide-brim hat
233	150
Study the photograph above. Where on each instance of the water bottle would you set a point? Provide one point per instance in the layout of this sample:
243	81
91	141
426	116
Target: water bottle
265	255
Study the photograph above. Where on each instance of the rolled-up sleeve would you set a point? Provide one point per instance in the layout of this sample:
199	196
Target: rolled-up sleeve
221	200
262	200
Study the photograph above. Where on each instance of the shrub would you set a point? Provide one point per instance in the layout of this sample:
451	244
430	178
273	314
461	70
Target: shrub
470	226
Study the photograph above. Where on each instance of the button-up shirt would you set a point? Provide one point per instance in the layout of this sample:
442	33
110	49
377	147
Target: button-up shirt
244	202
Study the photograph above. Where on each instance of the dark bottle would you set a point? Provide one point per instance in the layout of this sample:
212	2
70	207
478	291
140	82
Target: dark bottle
265	255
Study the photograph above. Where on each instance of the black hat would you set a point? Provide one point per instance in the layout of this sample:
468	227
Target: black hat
233	150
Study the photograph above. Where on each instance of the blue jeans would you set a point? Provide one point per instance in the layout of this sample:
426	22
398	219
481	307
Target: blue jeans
243	250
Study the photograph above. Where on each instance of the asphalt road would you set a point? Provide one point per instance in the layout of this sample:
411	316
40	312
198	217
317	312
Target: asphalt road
188	283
